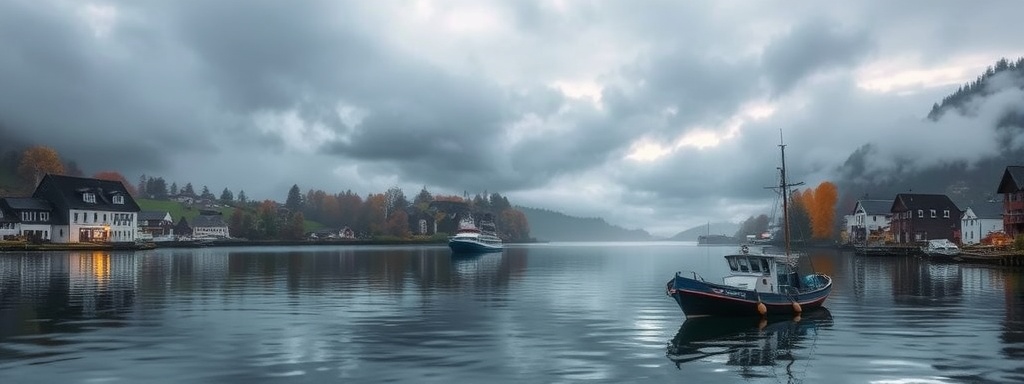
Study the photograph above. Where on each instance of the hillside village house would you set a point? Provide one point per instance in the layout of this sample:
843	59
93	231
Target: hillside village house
921	217
26	217
207	225
869	216
979	220
1011	186
155	224
88	210
9	225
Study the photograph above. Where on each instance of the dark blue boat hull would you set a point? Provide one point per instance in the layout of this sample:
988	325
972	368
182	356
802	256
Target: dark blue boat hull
700	298
472	247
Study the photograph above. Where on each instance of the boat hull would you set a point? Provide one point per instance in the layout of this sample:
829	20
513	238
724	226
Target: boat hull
700	298
472	246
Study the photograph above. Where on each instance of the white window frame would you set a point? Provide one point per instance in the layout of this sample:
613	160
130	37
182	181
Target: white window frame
932	212
89	197
44	216
118	199
945	213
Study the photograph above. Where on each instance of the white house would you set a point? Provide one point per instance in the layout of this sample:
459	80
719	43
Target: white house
869	216
27	217
979	220
209	226
9	224
89	210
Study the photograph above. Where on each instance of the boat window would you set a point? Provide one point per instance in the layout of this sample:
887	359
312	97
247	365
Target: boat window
755	266
732	264
744	267
764	266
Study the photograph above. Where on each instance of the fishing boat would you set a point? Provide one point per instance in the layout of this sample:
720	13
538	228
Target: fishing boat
762	280
470	238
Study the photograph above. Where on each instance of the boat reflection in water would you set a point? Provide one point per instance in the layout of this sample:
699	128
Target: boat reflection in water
748	342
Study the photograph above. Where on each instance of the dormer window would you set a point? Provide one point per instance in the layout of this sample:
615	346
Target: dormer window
945	213
118	199
933	213
89	197
920	213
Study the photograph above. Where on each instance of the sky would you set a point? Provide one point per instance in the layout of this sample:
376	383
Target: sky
660	115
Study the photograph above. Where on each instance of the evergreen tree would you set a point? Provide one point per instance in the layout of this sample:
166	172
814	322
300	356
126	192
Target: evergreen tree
188	191
241	197
294	201
142	186
226	196
174	189
207	194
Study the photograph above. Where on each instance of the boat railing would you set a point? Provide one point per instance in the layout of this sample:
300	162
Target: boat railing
695	275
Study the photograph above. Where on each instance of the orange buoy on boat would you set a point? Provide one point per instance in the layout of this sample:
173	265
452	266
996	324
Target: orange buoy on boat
796	307
761	309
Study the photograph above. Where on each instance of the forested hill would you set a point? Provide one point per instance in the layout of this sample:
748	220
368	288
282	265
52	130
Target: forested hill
966	184
548	225
1004	72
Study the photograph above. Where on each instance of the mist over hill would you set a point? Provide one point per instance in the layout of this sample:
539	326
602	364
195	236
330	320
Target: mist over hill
547	225
990	108
721	228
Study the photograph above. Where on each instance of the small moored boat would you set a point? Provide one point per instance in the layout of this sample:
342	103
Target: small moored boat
759	283
940	249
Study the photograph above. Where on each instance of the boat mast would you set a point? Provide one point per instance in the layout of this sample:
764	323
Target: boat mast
784	188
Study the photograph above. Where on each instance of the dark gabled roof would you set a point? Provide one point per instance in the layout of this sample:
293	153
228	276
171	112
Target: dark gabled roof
876	207
207	221
152	215
28	204
1013	179
65	192
988	210
915	201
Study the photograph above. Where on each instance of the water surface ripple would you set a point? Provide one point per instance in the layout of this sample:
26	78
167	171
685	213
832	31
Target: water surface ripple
534	313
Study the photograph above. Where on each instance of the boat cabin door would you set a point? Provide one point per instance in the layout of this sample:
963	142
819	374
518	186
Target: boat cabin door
766	282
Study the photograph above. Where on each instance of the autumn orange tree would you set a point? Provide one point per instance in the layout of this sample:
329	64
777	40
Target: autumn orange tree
38	161
116	176
820	206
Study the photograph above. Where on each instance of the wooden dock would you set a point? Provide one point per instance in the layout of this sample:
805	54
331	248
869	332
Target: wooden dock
1005	258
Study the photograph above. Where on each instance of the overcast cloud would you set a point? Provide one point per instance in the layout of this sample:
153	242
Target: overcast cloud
654	115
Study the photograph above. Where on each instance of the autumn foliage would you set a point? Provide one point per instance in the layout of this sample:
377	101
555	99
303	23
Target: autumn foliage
820	206
38	161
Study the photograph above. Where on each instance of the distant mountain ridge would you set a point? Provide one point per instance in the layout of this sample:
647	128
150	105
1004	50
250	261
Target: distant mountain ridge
721	228
547	225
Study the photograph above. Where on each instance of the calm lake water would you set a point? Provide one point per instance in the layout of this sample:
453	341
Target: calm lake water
535	313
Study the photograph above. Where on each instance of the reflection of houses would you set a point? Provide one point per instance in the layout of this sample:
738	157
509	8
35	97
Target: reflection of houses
920	217
869	216
27	217
1012	188
89	210
980	220
156	223
209	225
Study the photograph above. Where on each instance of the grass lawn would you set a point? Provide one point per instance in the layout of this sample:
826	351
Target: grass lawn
177	210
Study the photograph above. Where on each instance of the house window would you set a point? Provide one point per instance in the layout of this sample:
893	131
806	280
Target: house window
44	216
89	197
933	213
25	216
118	199
76	217
945	213
105	217
95	217
920	213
